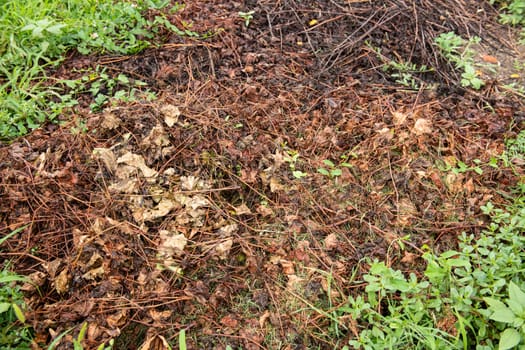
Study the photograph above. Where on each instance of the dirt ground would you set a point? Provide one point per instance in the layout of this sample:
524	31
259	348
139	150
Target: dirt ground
204	209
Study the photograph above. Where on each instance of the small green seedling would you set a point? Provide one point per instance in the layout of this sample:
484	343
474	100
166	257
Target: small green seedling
291	158
331	170
247	17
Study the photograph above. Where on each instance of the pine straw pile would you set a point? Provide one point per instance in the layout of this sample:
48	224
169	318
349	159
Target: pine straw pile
185	213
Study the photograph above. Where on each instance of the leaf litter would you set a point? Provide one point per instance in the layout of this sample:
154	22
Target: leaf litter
185	214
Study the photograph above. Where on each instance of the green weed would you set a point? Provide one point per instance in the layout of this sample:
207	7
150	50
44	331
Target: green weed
469	298
35	36
457	50
14	334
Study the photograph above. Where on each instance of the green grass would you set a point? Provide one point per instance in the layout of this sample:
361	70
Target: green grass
36	35
14	334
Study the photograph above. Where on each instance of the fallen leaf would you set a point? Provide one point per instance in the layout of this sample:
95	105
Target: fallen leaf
94	273
409	258
422	126
294	282
331	241
138	162
406	211
171	114
223	249
162	209
159	316
399	118
288	267
489	59
229	321
117	319
263	318
242	209
157	342
125	186
228	230
110	121
275	185
62	281
157	137
107	157
171	243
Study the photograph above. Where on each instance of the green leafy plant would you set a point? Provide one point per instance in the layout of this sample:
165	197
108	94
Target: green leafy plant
291	157
36	35
512	314
472	297
405	72
14	334
332	170
457	50
512	12
457	166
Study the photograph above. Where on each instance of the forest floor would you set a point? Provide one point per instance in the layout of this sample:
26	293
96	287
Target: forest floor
205	209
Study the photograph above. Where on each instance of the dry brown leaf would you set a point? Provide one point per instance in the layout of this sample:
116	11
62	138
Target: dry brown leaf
62	281
264	210
171	114
406	211
331	241
107	157
137	162
157	342
162	209
110	121
157	136
229	321
422	126
288	267
37	278
223	249
159	316
294	282
52	267
275	185
409	258
94	273
171	243
263	318
117	319
399	118
242	209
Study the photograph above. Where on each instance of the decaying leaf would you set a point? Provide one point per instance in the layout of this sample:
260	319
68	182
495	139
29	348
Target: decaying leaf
110	121
62	281
137	162
157	136
422	126
406	211
157	342
399	118
107	157
171	114
223	249
242	209
162	209
331	241
171	243
117	319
